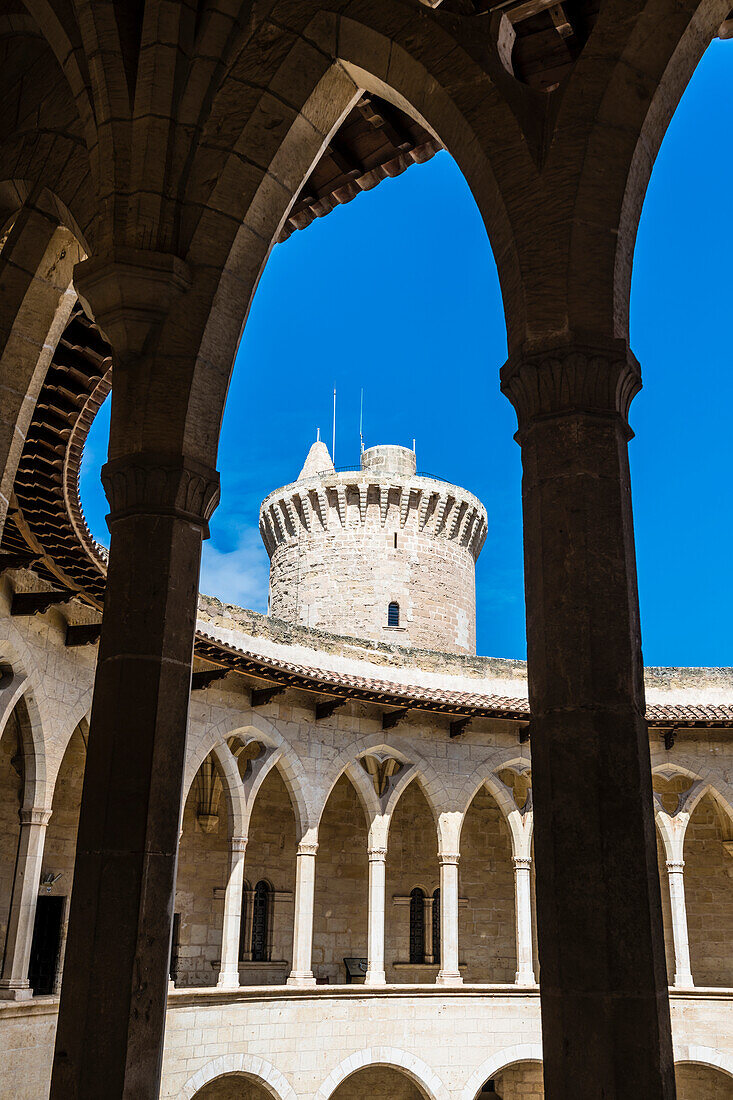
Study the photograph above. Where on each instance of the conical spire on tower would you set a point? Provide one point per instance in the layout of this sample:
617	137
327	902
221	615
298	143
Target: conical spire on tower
317	462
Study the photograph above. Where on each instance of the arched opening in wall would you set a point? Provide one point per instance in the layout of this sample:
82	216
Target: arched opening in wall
266	934
12	778
708	876
234	1086
681	452
487	916
341	895
439	274
412	862
669	790
203	865
57	876
520	1081
700	1082
379	1083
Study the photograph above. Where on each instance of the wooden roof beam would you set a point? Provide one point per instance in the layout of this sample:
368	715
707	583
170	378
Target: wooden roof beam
37	603
203	679
327	707
392	717
82	633
262	696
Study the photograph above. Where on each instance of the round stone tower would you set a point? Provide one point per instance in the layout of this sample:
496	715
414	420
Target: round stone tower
380	552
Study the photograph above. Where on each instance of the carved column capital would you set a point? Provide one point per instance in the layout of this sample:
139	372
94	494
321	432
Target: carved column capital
160	484
129	292
305	849
522	863
35	817
596	378
377	855
450	858
239	844
675	865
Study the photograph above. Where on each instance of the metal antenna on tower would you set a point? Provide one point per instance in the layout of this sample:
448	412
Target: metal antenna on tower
361	422
333	448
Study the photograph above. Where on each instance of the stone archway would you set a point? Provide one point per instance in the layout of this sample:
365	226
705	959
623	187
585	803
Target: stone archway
237	1077
379	1083
398	1067
696	1081
233	1086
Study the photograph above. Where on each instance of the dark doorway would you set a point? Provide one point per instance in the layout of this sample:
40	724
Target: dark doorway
45	945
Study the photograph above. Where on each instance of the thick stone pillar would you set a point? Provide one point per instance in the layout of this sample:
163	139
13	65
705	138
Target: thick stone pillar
113	996
232	925
449	974
375	951
605	1012
14	984
682	968
523	915
305	887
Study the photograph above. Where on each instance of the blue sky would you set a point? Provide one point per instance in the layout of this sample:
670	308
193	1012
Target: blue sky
385	295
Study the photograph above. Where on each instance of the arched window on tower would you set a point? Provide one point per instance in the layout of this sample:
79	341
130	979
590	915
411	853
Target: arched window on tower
261	921
436	926
393	614
417	925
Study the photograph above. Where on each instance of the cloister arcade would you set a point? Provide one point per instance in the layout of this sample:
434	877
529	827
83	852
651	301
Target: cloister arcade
256	813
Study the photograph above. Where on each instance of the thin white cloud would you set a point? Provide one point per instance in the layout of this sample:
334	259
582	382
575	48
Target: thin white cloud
239	576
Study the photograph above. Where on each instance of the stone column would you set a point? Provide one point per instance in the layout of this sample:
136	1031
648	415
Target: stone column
605	1011
449	974
523	907
305	886
232	924
682	968
377	877
14	984
115	983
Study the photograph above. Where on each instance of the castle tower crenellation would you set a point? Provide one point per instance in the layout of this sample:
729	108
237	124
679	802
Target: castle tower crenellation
381	552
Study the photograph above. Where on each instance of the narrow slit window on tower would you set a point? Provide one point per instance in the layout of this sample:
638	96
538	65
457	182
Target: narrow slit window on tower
395	540
393	614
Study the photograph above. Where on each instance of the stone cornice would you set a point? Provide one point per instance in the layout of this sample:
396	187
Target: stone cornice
575	378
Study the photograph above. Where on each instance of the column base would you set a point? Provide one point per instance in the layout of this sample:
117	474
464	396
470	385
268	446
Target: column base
446	977
525	978
228	981
301	980
14	990
375	977
683	981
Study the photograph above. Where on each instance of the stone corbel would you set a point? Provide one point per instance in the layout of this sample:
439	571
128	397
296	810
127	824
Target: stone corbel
129	293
